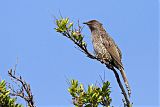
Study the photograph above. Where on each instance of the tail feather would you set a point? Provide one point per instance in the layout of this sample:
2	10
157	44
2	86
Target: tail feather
125	81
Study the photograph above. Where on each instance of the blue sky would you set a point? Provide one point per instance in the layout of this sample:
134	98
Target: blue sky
46	59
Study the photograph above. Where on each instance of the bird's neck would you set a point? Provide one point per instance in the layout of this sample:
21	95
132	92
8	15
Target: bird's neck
95	35
98	31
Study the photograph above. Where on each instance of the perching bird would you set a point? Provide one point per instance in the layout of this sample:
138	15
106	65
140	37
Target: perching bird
106	49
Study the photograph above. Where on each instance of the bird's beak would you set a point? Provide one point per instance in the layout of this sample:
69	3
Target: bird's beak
85	23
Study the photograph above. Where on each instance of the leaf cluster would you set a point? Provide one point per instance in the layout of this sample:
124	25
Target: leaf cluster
92	97
65	27
5	99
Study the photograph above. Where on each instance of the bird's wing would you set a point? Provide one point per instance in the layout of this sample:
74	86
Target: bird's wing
119	51
112	48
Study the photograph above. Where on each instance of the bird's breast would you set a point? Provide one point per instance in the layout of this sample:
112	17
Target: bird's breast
100	50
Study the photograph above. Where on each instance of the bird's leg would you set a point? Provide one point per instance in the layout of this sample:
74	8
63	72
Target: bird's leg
109	65
106	62
103	59
99	56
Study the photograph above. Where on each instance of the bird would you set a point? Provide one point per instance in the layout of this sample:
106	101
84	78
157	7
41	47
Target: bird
106	49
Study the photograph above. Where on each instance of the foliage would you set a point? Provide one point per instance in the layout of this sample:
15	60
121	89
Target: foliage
92	97
65	27
5	99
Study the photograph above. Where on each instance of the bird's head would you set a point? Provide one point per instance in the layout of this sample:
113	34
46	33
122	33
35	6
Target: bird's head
93	24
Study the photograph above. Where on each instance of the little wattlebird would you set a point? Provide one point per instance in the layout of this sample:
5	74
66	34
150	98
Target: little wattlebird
106	49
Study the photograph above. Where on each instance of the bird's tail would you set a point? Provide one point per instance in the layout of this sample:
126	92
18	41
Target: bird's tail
125	81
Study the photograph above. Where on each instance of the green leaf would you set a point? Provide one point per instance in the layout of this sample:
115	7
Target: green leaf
80	38
5	99
83	43
70	25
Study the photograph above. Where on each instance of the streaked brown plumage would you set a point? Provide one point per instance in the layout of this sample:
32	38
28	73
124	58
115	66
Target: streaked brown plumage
106	49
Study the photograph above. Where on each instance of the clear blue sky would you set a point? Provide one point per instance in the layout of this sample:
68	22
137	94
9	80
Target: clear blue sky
47	60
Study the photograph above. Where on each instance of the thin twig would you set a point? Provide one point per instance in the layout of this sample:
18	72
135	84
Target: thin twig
24	92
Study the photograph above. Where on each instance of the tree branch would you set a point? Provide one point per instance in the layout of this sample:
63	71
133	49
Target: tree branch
127	102
24	92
